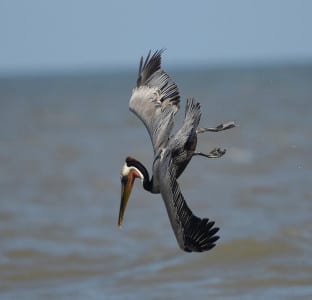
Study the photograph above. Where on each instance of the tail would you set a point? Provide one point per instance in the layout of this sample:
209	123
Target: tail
192	113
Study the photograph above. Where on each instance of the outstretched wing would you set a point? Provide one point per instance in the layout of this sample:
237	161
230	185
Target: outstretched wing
155	99
191	232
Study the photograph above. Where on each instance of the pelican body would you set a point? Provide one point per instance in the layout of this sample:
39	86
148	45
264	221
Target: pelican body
155	101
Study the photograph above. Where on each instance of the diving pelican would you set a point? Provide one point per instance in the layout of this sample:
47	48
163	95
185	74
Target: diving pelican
155	101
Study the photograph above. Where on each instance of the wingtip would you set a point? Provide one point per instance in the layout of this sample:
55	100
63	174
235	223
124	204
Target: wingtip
149	65
201	235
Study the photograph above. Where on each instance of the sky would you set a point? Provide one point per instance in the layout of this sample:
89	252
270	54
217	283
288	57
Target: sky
42	35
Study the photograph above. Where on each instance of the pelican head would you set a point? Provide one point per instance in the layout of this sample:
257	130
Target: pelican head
131	169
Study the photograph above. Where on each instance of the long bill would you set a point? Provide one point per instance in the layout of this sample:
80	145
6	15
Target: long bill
126	187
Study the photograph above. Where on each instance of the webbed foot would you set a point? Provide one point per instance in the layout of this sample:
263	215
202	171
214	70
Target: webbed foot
221	127
215	153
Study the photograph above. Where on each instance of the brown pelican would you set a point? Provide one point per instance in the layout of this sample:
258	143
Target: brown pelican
155	101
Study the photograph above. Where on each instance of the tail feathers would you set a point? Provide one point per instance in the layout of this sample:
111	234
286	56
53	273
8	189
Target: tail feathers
192	112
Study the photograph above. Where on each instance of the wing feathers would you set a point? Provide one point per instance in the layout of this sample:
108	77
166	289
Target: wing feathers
155	101
199	235
149	66
151	74
192	233
155	98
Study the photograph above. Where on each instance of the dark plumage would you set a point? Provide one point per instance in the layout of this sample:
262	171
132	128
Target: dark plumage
155	101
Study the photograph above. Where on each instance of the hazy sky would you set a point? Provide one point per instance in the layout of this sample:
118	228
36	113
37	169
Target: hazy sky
63	34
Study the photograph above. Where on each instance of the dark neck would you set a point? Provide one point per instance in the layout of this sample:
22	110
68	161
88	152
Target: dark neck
147	183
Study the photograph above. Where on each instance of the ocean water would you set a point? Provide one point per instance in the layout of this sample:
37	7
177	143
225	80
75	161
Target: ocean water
63	141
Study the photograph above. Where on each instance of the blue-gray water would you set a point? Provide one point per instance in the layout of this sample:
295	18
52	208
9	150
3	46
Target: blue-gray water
63	141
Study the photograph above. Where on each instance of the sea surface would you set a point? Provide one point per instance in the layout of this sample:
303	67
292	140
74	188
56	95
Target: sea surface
63	141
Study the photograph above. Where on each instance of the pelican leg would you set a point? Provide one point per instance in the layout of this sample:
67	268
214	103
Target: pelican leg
215	153
221	127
